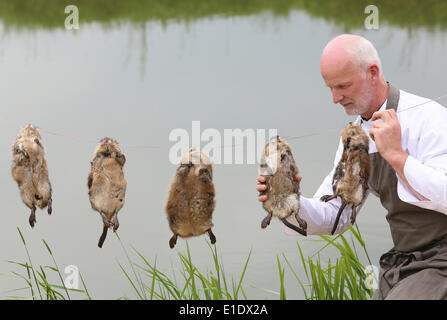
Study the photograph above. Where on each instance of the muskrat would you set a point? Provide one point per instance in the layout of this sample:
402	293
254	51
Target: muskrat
107	184
29	170
190	202
279	169
350	181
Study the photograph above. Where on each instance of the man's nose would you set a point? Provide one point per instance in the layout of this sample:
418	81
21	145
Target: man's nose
336	96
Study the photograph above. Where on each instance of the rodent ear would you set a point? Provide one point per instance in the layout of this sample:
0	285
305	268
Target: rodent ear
183	170
37	141
265	169
348	140
120	158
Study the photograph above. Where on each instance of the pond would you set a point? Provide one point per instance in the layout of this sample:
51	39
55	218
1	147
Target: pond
135	71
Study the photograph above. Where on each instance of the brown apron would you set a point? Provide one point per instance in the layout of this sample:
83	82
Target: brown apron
416	268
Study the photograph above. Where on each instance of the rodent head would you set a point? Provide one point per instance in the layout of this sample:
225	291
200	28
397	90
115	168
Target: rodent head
107	146
276	150
30	131
31	136
196	163
353	135
277	146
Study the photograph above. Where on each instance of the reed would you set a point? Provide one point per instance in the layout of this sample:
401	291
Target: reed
37	279
212	284
344	279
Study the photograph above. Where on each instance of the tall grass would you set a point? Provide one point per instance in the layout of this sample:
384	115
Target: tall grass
37	279
212	284
344	279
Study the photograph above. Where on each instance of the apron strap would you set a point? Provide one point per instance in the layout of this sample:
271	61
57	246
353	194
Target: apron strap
393	97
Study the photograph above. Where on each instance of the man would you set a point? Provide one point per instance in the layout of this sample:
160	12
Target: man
408	170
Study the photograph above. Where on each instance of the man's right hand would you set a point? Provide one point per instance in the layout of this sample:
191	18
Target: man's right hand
262	187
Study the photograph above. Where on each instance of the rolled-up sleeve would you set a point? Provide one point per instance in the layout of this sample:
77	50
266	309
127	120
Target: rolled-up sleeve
426	166
427	181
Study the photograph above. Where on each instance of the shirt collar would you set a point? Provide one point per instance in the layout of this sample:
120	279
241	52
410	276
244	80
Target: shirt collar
382	107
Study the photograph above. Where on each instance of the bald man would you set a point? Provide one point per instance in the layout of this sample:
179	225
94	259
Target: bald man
408	170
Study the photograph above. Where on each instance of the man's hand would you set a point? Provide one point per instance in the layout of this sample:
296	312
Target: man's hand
262	187
387	135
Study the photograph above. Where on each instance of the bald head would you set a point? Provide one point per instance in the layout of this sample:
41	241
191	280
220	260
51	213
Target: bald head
351	68
349	49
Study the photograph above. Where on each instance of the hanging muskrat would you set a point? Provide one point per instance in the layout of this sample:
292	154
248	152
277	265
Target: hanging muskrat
107	184
350	181
279	169
190	202
29	170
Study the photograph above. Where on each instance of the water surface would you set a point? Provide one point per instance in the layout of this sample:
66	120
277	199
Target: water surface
136	73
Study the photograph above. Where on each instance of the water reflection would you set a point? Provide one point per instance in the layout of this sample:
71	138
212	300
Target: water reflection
407	14
137	16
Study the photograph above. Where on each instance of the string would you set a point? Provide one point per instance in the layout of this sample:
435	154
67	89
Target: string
139	146
420	104
67	136
312	134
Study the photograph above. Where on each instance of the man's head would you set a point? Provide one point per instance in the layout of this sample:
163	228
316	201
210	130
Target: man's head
351	68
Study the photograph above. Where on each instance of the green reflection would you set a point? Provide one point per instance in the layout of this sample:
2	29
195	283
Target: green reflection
347	14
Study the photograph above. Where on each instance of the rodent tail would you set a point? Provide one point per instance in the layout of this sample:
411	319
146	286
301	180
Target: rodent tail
342	207
103	236
294	227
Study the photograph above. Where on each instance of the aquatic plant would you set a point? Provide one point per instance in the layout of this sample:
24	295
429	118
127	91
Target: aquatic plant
37	279
212	284
344	280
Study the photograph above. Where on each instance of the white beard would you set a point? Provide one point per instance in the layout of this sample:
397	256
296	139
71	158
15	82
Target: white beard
363	102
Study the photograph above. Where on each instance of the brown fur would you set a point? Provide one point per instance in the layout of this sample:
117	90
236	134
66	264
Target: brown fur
190	202
29	170
350	181
282	188
107	184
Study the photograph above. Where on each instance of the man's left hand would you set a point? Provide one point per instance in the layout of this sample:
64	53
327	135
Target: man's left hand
387	135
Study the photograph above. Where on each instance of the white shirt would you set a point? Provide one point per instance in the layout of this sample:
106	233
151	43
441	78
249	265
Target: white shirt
424	139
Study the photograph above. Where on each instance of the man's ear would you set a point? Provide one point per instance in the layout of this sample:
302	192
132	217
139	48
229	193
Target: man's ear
373	73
